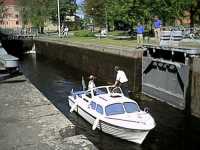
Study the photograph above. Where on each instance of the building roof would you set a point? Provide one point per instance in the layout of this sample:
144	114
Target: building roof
9	2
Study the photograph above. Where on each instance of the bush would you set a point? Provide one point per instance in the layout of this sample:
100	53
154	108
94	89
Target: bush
84	33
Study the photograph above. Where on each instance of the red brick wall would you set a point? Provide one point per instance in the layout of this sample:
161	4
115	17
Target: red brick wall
11	17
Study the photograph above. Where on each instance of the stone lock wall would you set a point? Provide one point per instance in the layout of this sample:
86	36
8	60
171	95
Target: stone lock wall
195	87
99	62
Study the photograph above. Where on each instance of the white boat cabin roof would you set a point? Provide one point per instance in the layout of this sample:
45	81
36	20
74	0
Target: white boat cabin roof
106	95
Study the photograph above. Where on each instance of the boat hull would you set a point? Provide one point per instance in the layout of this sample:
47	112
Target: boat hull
132	135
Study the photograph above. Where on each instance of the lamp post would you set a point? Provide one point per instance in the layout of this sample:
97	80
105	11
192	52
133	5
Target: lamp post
106	19
92	19
58	3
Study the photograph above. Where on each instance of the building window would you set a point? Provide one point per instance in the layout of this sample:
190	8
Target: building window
17	22
16	16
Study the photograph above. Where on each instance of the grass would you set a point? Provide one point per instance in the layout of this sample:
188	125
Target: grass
129	43
104	41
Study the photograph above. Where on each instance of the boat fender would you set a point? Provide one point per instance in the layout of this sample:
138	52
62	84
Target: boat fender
73	107
95	124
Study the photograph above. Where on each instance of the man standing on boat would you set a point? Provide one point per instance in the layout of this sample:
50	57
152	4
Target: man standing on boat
121	80
91	83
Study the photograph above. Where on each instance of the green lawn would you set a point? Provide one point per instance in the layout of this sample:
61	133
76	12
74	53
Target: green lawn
110	41
129	43
104	41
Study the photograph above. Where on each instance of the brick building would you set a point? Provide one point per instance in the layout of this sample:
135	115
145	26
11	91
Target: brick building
10	17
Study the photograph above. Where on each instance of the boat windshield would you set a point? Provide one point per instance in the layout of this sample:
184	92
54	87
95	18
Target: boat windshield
131	107
114	109
119	108
100	91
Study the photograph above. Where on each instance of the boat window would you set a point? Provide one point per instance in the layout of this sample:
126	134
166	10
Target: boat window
88	94
93	105
114	109
131	107
100	91
99	109
115	90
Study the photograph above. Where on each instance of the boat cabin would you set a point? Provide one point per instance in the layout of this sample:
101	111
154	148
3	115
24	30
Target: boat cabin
108	100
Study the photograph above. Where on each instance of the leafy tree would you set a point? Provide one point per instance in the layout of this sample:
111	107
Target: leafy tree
37	12
34	12
96	10
2	9
193	7
132	11
67	7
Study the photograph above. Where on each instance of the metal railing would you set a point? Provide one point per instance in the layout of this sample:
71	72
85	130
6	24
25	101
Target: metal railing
19	33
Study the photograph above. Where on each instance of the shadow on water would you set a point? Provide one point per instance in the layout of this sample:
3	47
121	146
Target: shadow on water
55	81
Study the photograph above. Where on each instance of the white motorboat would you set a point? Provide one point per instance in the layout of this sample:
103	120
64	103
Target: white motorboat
106	108
8	62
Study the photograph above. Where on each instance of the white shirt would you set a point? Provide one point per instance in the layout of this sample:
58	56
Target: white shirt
121	76
91	84
66	29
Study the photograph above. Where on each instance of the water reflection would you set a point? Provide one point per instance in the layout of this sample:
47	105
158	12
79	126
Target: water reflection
56	80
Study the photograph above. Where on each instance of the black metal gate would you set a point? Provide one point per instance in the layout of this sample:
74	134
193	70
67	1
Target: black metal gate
165	74
165	81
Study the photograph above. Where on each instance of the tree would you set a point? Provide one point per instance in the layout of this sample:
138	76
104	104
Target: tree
2	10
34	12
96	10
132	11
193	7
37	12
67	7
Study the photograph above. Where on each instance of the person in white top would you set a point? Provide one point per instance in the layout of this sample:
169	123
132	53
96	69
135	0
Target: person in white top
91	83
65	32
121	80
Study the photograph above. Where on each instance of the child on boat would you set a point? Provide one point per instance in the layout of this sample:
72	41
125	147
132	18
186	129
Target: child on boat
91	83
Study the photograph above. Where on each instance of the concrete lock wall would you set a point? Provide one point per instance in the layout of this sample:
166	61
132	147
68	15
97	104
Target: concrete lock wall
96	62
195	91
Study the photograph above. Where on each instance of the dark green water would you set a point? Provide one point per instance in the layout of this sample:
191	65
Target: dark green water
173	131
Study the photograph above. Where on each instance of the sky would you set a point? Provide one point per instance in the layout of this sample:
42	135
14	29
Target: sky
79	12
79	1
